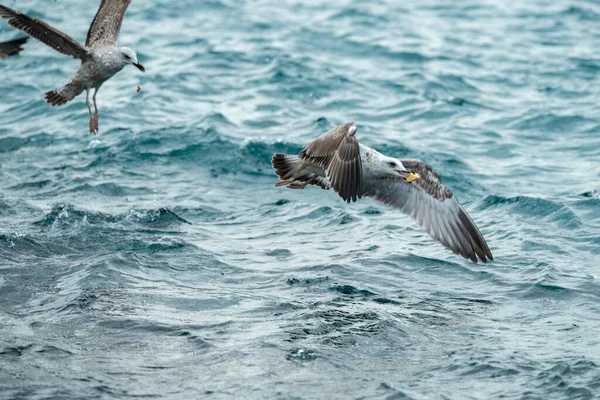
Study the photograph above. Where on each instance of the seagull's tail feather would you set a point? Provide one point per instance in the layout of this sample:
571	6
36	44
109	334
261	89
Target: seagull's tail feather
291	168
286	165
64	94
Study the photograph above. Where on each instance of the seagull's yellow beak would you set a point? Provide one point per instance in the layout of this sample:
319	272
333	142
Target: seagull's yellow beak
412	177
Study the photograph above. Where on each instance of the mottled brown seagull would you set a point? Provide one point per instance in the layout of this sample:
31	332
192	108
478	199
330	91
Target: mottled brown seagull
100	57
337	160
12	47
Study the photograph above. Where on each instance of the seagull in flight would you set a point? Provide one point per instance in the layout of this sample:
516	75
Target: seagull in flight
101	58
336	160
12	47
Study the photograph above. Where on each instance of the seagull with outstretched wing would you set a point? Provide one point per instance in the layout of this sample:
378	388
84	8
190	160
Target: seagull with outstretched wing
336	160
100	58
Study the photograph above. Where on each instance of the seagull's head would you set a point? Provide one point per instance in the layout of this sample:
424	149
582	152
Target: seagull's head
129	56
392	168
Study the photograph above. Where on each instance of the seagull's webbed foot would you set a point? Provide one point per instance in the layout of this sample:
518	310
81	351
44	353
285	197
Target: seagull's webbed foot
297	185
94	124
284	182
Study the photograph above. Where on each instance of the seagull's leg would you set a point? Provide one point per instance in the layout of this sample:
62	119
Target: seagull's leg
283	182
322	182
95	117
87	101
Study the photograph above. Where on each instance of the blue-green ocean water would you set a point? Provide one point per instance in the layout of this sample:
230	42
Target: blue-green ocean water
158	259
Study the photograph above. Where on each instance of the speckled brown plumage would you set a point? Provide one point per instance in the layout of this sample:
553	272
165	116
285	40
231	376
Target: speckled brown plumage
336	159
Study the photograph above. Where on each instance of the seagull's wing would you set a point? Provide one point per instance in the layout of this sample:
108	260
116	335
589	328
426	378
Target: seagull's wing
338	152
12	47
435	208
45	33
106	25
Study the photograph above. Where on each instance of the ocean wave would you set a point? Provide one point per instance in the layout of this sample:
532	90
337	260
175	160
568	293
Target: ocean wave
157	258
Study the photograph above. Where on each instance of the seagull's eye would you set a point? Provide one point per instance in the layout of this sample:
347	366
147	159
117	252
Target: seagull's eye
392	164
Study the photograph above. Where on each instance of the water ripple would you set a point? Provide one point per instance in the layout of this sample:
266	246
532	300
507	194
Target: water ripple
158	259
